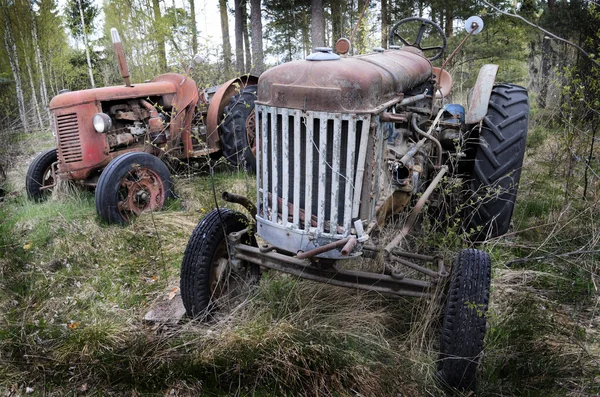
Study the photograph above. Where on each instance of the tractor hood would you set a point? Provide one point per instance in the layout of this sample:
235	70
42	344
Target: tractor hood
360	84
162	85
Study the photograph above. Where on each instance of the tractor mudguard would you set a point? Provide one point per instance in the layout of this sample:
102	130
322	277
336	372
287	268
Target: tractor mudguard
481	94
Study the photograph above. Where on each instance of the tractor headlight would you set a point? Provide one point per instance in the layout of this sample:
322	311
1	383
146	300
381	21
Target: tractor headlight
102	122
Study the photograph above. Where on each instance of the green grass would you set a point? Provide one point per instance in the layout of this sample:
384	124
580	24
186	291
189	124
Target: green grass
73	292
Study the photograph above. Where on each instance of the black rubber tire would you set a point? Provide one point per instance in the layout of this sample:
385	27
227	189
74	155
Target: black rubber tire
234	141
204	247
464	323
498	162
37	175
109	190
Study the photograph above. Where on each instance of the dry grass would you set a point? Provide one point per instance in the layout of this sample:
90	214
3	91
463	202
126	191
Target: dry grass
74	291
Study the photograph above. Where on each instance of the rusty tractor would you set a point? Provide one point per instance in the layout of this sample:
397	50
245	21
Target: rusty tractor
115	138
350	146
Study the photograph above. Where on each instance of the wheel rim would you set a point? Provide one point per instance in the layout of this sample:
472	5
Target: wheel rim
251	132
224	281
47	179
141	190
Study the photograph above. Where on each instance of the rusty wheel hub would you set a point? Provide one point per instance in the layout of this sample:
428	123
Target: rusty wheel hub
141	190
251	132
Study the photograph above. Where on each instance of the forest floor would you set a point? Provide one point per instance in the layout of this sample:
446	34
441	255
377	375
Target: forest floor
74	292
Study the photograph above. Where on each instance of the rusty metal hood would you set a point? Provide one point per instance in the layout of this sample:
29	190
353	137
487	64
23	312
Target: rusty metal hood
161	85
360	84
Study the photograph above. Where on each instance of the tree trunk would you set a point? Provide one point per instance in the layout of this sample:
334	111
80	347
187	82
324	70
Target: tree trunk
304	32
34	100
449	22
336	21
246	37
384	24
225	35
194	27
160	38
317	25
239	37
257	43
545	72
38	58
11	49
87	48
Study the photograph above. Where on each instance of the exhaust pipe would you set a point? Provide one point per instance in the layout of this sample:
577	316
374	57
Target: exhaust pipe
120	56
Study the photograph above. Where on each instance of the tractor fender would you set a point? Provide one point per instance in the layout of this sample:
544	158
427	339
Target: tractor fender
480	98
218	102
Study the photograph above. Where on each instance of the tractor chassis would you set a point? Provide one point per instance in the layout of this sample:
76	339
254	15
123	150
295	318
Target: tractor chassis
329	271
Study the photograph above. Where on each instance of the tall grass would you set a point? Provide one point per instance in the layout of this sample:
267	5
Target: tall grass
74	292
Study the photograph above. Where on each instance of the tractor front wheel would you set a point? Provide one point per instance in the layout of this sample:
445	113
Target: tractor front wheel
40	177
464	322
131	184
208	278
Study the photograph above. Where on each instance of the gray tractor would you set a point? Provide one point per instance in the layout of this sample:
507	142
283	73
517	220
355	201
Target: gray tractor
347	144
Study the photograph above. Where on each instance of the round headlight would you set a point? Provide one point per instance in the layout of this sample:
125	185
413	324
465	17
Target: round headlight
102	122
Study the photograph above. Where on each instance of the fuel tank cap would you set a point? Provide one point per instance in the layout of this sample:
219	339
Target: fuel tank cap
323	54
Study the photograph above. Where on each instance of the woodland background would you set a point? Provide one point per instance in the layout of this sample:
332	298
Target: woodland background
73	291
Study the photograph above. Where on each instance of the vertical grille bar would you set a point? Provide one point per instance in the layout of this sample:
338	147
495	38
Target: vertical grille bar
309	120
350	155
274	171
259	153
335	174
285	154
265	162
360	170
297	168
322	152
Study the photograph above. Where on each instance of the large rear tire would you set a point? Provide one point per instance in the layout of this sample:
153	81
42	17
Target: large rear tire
208	280
40	177
236	143
498	160
132	183
464	323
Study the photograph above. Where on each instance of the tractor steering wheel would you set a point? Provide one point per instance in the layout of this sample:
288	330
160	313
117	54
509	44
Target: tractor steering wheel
435	28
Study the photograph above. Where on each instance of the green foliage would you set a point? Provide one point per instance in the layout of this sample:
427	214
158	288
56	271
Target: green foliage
73	10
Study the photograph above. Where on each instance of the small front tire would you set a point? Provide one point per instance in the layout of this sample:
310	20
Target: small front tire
131	184
464	323
40	177
207	279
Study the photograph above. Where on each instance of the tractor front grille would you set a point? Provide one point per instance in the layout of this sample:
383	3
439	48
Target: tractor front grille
69	145
310	169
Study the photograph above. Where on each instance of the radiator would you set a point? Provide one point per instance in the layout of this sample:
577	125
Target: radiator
310	168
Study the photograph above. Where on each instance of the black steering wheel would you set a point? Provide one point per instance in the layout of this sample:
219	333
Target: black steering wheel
435	28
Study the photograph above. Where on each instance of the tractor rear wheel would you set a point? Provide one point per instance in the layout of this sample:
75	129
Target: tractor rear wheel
238	129
464	322
131	184
208	279
498	160
40	178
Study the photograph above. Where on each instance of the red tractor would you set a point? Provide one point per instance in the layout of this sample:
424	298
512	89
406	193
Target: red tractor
115	138
350	146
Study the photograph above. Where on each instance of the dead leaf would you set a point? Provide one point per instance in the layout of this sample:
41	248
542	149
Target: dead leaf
173	293
28	246
73	326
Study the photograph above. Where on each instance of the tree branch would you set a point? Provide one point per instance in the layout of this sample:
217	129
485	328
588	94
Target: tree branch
588	56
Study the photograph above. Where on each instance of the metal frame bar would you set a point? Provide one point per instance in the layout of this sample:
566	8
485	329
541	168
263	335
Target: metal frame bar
368	281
